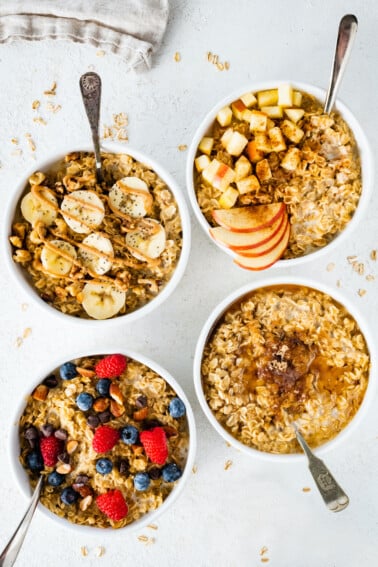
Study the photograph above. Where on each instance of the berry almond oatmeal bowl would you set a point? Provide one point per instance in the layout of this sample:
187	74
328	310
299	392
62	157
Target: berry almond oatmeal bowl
91	252
282	352
113	436
271	178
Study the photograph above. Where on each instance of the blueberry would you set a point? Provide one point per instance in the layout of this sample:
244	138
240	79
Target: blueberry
84	401
104	466
141	481
34	461
69	496
129	434
177	408
55	479
171	472
103	386
68	371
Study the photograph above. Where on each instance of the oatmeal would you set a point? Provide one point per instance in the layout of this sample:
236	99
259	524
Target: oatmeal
278	146
283	354
110	437
97	250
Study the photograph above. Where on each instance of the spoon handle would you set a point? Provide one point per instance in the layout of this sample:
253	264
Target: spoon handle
90	87
347	32
331	492
11	550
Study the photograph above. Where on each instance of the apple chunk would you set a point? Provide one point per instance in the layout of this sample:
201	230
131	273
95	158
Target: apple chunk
248	219
257	263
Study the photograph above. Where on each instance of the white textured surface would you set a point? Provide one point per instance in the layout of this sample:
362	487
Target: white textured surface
223	518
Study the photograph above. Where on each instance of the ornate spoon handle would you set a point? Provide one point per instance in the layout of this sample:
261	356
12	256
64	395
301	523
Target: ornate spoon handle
90	87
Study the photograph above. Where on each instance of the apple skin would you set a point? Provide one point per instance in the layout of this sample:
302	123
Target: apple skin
240	241
248	219
268	246
258	263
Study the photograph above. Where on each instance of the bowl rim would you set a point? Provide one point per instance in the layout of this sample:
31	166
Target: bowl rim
18	273
237	294
365	152
21	476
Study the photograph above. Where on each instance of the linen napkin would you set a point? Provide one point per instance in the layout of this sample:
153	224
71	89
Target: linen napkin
132	29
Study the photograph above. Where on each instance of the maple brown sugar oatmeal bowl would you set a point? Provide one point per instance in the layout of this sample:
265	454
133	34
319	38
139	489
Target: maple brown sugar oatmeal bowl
88	251
282	351
113	436
272	178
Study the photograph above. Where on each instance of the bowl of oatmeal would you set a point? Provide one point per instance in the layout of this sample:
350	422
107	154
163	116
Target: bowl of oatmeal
113	436
92	252
271	179
281	351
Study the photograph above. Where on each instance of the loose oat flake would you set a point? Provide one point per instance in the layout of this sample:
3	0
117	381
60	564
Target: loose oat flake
227	465
182	147
84	551
100	551
177	57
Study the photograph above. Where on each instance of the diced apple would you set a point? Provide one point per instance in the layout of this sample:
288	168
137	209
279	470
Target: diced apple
294	114
206	145
226	137
273	111
267	98
246	115
243	168
238	108
292	131
202	162
285	95
224	116
248	184
253	153
263	142
244	241
249	99
228	199
291	160
266	247
276	139
264	261
297	98
236	144
263	170
219	175
248	219
258	121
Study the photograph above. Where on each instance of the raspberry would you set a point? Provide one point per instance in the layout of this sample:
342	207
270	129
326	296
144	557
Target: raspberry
105	438
155	444
111	366
113	505
51	447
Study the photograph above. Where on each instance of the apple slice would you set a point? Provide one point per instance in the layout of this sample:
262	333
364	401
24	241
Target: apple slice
257	263
267	246
248	219
244	241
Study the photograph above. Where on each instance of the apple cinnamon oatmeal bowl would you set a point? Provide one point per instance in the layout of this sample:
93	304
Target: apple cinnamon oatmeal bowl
90	251
113	436
271	177
279	352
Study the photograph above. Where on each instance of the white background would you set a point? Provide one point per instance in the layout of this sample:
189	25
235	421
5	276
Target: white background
224	517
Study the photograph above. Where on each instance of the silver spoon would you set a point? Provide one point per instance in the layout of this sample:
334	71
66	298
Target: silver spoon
90	87
332	493
11	550
347	32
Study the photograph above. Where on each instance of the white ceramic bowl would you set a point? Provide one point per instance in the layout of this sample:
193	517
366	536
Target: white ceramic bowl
20	274
367	164
21	475
223	307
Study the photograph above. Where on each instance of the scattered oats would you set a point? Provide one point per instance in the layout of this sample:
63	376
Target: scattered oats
91	67
220	66
177	57
214	59
143	538
373	255
370	277
361	292
19	342
351	259
84	551
194	469
24	306
227	465
100	53
182	147
264	559
331	267
122	135
100	551
51	91
338	283
152	526
53	107
117	131
209	55
226	65
70	390
27	332
107	133
359	268
35	104
228	444
40	120
14	141
306	489
263	550
31	144
17	153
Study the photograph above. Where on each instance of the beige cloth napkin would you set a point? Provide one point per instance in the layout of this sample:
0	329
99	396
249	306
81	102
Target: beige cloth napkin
132	29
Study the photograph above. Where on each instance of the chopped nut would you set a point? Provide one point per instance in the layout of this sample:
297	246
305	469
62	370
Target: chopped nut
115	393
116	408
71	447
227	465
64	468
86	502
85	372
177	57
40	393
101	404
140	414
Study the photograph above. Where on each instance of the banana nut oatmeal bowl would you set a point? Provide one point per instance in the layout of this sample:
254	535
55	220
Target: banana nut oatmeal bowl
271	177
112	435
281	352
97	251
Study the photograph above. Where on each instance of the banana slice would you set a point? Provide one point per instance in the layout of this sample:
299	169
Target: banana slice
96	253
130	196
149	241
57	257
83	211
36	208
102	300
